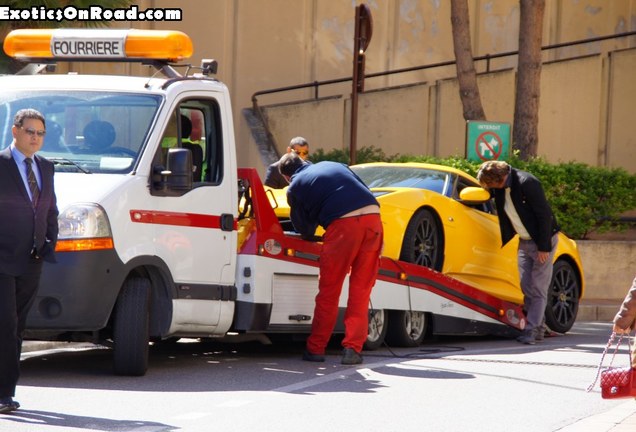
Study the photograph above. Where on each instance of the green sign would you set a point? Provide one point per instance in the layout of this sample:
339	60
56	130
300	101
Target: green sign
487	141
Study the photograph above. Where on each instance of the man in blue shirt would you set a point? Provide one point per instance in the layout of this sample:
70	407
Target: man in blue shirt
28	234
331	195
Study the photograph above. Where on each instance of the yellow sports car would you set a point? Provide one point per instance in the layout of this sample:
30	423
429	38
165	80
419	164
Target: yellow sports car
439	217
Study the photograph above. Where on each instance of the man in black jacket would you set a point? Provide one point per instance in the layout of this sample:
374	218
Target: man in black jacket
524	210
28	234
273	177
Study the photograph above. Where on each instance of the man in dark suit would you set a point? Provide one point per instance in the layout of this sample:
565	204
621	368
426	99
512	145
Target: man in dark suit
524	210
28	233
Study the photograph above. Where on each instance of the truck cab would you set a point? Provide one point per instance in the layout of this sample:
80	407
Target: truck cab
148	239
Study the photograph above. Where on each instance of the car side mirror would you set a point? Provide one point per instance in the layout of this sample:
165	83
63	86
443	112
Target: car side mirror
474	195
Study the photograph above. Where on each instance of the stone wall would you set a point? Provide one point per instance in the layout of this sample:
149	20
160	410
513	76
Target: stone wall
580	99
609	267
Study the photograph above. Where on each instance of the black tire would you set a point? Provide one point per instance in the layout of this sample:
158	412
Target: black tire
377	329
406	328
563	298
130	328
424	241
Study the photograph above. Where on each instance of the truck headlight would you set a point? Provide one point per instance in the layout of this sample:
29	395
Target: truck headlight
84	227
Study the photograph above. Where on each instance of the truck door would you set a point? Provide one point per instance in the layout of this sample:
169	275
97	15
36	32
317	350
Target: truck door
195	232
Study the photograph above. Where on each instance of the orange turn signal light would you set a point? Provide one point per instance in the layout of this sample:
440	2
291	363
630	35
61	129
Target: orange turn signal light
73	245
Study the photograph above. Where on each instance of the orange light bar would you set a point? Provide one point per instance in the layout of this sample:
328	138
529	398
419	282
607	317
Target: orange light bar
158	44
74	245
98	44
28	44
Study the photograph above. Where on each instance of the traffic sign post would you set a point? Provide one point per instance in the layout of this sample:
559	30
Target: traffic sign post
487	141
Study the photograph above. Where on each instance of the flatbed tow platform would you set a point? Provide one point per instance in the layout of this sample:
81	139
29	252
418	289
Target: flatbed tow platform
408	301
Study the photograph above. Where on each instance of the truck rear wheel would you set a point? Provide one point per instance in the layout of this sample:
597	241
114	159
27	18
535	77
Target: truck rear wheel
130	328
406	328
377	329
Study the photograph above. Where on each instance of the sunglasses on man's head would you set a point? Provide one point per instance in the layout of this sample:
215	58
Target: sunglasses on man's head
33	132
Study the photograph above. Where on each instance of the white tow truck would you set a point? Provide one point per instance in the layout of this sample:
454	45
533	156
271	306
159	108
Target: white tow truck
161	234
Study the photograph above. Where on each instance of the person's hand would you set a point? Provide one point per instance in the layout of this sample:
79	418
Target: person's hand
543	256
619	330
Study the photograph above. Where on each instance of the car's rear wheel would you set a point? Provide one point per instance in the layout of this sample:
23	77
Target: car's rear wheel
377	329
406	328
563	298
424	240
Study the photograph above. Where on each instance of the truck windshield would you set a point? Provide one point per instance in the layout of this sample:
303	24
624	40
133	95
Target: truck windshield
94	132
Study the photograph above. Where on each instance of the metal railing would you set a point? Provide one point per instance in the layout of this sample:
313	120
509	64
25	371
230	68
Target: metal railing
487	58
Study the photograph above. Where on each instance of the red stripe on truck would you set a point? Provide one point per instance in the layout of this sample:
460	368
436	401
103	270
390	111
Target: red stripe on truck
174	218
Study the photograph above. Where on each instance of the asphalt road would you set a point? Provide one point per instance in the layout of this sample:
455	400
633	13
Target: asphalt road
450	384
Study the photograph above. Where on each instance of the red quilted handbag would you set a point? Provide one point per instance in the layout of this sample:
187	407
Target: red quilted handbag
616	382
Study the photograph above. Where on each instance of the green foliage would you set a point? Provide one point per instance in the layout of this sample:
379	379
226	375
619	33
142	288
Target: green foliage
583	198
363	155
586	198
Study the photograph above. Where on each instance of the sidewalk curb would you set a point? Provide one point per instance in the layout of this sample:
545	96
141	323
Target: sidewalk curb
621	418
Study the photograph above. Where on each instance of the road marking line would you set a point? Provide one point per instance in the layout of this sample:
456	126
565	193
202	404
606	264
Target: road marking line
192	416
283	370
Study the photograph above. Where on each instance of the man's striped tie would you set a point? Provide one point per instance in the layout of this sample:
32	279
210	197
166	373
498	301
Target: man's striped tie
33	183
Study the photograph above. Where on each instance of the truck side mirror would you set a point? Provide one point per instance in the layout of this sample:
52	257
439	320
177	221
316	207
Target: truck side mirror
179	175
176	178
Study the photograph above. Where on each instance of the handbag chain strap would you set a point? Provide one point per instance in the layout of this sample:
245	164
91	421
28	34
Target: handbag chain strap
607	347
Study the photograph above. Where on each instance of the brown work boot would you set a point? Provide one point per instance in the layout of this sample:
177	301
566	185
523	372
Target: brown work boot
309	356
350	357
528	337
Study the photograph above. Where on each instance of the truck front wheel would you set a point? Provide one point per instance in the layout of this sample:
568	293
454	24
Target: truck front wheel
130	328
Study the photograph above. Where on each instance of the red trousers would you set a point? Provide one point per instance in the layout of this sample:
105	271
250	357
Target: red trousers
349	244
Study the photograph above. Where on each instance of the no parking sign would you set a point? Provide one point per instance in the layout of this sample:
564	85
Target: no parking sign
487	141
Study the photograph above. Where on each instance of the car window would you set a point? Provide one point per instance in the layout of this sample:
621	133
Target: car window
398	176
